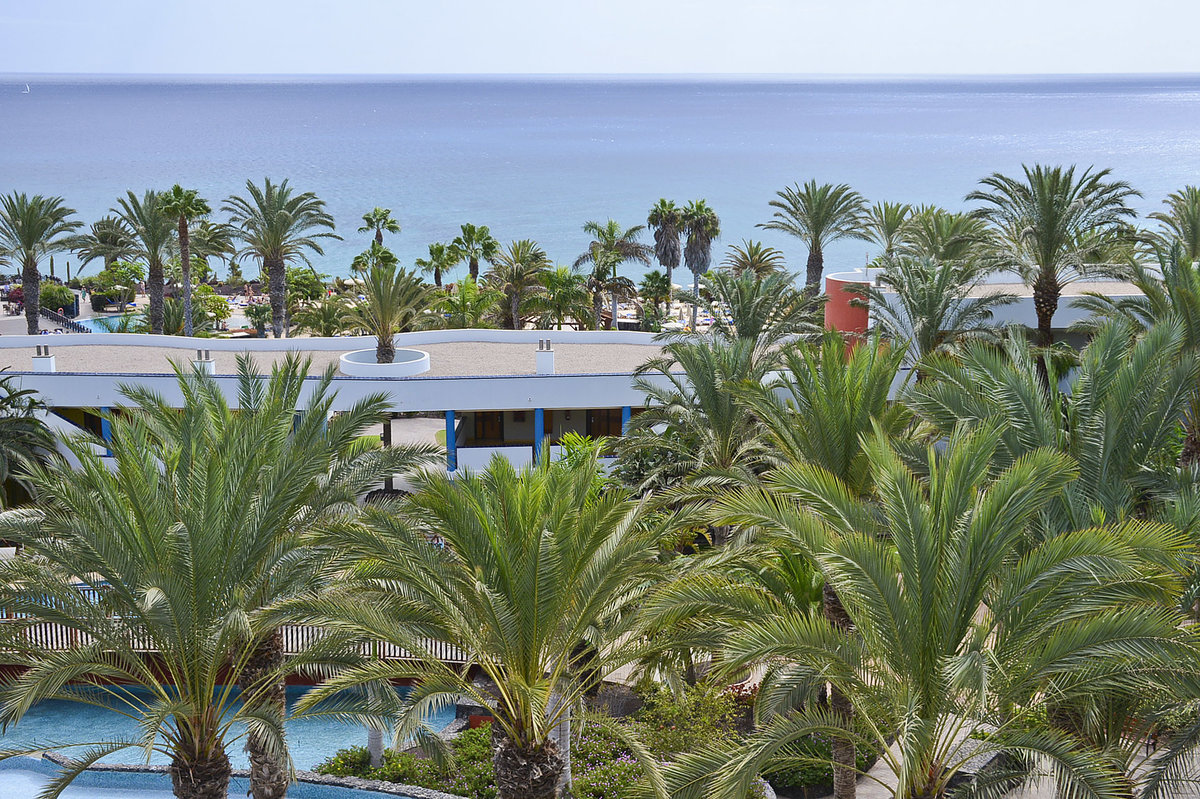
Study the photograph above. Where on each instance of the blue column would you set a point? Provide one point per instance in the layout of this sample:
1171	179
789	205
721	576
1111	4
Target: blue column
539	432
106	428
626	415
451	443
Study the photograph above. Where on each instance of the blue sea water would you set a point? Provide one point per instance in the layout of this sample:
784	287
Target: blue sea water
536	158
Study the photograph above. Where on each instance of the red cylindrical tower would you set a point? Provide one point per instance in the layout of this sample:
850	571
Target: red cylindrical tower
839	313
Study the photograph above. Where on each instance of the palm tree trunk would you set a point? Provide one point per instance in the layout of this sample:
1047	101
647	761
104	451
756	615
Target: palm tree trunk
437	277
474	266
262	677
385	349
208	779
522	773
31	294
695	298
670	289
379	236
597	303
154	288
845	776
186	267
514	304
816	265
1046	293
277	275
612	323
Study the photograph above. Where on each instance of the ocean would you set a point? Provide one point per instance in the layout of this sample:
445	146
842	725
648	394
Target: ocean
536	158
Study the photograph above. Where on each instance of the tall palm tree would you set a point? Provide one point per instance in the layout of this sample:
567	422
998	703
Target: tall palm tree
942	235
442	258
474	244
536	582
180	554
378	220
926	305
702	227
611	246
818	215
754	257
666	220
30	228
277	227
109	239
468	306
884	225
153	230
957	635
1182	222
186	205
566	297
396	302
517	273
1051	222
25	440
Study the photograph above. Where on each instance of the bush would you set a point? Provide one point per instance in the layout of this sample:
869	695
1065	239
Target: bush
55	296
704	716
352	762
815	777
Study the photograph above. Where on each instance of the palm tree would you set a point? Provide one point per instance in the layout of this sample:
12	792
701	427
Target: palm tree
30	228
1182	222
566	297
179	554
929	305
957	636
1051	223
173	320
442	258
153	229
517	274
702	226
108	238
277	227
468	305
939	234
655	288
764	311
885	222
186	205
325	317
379	220
374	255
666	220
474	244
539	572
396	302
818	216
210	240
25	440
611	246
754	257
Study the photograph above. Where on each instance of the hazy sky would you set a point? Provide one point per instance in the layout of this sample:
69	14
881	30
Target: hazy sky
598	36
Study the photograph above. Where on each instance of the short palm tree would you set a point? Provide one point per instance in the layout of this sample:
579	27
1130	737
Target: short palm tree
958	636
186	206
666	220
31	228
179	554
754	257
25	440
374	255
701	227
655	288
378	221
535	584
884	225
1051	222
325	317
153	230
210	240
467	305
1182	222
396	302
566	298
108	239
474	244
442	258
926	305
818	215
278	227
517	274
611	246
942	235
762	310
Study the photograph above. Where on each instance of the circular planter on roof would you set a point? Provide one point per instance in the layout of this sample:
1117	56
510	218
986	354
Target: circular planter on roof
405	363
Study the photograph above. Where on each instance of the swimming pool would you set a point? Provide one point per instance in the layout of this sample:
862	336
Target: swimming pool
310	741
101	324
24	778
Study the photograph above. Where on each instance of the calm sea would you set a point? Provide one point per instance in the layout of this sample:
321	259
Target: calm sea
537	158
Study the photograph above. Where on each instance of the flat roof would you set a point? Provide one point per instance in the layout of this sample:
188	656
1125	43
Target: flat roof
1076	288
456	359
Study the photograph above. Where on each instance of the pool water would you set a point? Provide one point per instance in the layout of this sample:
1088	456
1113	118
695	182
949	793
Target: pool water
310	740
25	778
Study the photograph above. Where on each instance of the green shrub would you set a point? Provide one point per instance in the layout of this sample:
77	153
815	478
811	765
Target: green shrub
55	296
805	774
703	716
352	762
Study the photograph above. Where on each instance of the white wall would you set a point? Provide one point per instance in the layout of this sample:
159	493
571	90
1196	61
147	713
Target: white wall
477	458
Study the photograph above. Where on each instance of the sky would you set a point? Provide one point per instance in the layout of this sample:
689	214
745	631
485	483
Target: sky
799	37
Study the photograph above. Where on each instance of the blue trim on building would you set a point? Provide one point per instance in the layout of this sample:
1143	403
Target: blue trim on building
451	443
539	433
626	415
